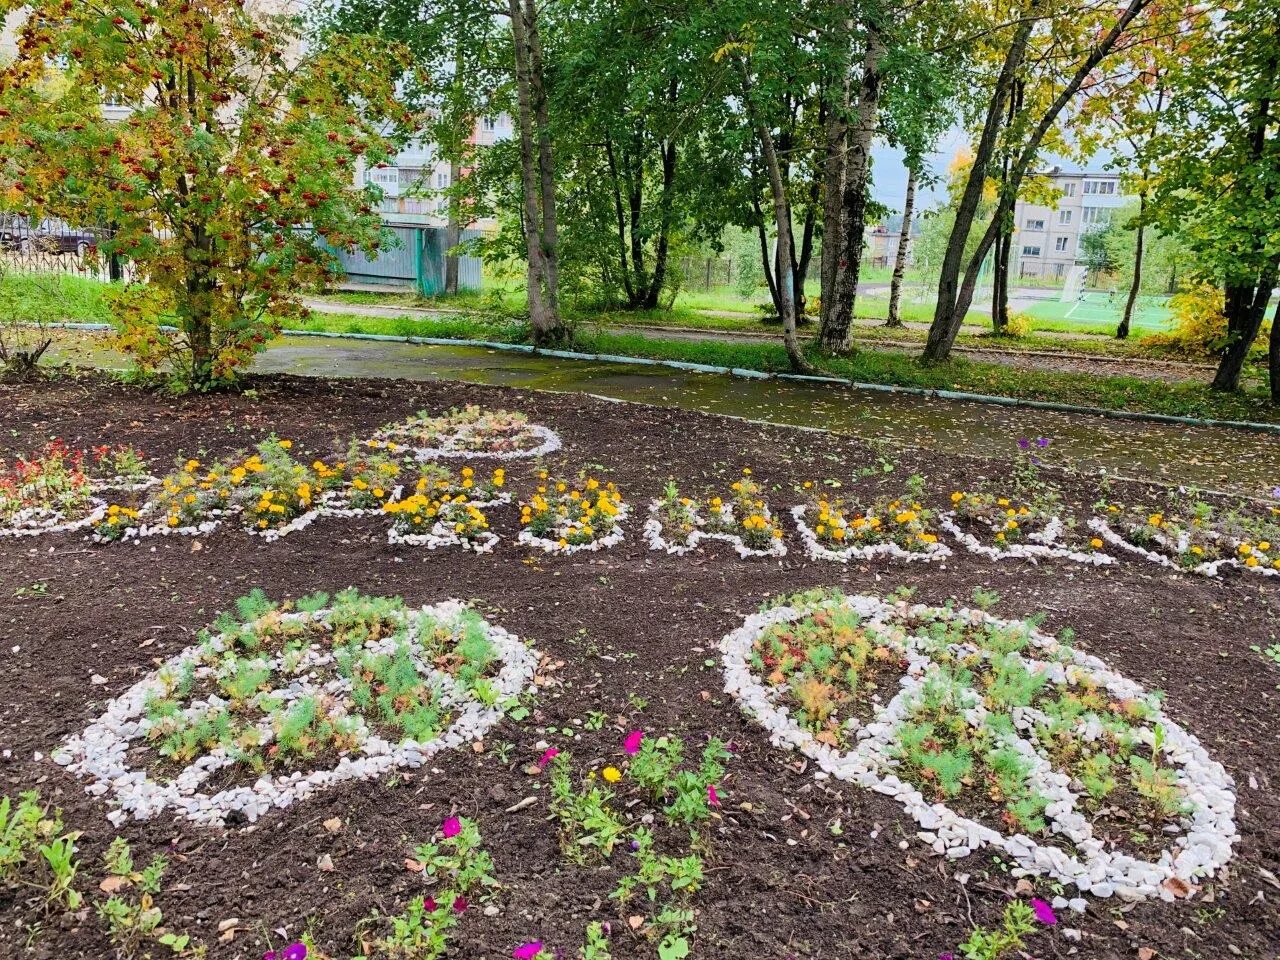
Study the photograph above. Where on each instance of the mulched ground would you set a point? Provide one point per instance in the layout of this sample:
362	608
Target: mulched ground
797	867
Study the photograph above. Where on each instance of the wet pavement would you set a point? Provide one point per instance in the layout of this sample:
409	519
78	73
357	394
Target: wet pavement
1208	457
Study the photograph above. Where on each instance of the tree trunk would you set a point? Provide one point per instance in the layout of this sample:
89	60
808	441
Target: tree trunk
666	203
1273	357
535	170
782	223
1246	306
834	334
834	166
550	230
1122	331
938	346
900	260
952	306
453	230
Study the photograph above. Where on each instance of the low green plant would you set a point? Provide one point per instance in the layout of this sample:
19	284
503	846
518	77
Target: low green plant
656	767
669	883
133	920
1017	923
37	853
587	821
457	861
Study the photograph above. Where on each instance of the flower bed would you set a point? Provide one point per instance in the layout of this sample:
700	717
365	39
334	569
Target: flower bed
897	527
1193	537
1002	528
275	704
572	516
991	735
360	484
423	521
677	524
52	491
468	432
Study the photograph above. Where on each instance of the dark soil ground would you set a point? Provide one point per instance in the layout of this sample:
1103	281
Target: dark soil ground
796	867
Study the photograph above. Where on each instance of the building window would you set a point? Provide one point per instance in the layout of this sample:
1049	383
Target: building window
1060	244
1068	189
1034	224
1100	187
1064	216
1091	215
442	180
488	124
1031	251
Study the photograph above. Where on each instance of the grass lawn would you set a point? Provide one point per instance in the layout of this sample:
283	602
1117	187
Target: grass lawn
82	300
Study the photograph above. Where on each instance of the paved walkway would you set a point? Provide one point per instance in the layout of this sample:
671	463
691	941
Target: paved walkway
1201	456
1065	360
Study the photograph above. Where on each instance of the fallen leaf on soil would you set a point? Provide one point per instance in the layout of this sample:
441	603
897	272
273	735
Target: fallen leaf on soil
1146	953
325	863
333	824
635	922
229	924
1178	887
113	884
196	546
1023	886
478	746
413	865
526	802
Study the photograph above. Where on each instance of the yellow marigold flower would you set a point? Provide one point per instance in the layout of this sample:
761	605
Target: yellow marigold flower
746	471
1198	551
191	465
820	529
562	542
1251	561
190	498
837	533
611	774
287	444
1003	502
262	524
468	472
379	492
1155	519
957	497
1096	543
1245	549
1264	545
113	509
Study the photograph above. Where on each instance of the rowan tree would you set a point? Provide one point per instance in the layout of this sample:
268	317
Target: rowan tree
229	180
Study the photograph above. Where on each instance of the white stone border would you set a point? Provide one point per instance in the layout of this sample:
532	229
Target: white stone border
1112	536
653	535
549	442
1203	848
300	522
442	535
36	521
101	752
932	553
124	484
1045	547
611	539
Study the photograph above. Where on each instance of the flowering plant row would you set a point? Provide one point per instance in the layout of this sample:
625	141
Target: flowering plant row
1192	536
53	490
677	524
1006	528
990	734
277	702
571	516
469	432
896	526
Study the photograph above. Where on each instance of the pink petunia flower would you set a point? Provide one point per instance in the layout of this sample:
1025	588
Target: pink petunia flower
429	904
547	757
713	798
1044	912
527	951
632	743
451	828
295	951
460	905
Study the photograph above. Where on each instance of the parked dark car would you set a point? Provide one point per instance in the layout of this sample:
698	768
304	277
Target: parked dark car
47	236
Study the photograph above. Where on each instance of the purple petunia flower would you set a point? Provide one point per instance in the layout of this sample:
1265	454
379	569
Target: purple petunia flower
451	828
527	951
295	951
1024	443
632	744
1276	493
1044	912
460	905
1042	442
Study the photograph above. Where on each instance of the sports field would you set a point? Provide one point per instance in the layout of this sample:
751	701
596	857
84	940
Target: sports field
1101	309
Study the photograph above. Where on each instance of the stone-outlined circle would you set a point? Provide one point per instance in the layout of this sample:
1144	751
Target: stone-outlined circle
102	751
1208	830
454	437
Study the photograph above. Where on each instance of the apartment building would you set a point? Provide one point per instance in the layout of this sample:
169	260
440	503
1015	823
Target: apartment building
1046	240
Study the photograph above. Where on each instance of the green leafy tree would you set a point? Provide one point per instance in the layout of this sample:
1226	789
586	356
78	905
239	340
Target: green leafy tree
1218	180
229	181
